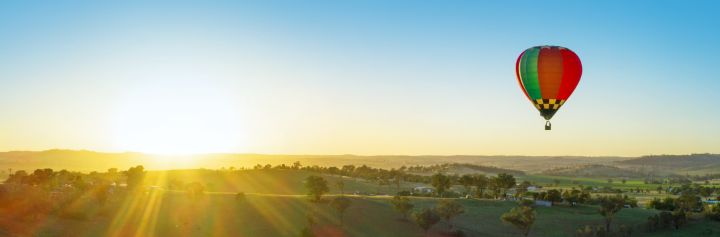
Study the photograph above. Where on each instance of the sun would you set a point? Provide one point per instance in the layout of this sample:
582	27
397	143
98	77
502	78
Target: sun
178	119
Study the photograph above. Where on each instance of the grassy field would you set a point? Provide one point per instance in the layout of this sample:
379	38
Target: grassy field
275	205
268	181
175	214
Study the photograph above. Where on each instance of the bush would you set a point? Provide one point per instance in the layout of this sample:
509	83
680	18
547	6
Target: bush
667	204
713	213
679	218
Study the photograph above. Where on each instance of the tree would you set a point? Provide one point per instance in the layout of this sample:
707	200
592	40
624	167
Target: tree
316	187
667	204
503	182
307	231
553	195
426	219
195	190
481	183
679	218
397	180
135	175
402	205
467	181
441	183
100	192
340	204
571	196
448	209
713	213
706	192
609	206
688	202
522	217
112	174
341	185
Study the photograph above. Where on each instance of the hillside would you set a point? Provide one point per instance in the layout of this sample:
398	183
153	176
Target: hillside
462	169
90	160
694	163
259	215
594	171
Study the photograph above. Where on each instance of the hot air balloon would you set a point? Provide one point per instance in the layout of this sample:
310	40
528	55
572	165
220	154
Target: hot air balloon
548	76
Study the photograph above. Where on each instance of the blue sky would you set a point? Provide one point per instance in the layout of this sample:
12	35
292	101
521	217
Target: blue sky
363	77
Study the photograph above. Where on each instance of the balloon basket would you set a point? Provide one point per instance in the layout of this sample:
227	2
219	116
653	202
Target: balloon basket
548	126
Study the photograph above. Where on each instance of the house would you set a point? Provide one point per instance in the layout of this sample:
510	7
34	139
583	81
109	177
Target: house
533	188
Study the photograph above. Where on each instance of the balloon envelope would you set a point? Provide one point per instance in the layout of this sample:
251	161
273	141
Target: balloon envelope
548	76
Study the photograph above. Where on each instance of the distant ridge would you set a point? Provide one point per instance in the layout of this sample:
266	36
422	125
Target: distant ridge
85	160
676	161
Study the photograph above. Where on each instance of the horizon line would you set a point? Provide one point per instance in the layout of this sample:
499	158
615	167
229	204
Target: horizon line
346	154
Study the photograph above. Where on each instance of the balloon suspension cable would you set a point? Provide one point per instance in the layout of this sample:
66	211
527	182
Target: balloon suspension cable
548	126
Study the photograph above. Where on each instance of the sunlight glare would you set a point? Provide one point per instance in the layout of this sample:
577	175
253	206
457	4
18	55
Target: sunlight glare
176	118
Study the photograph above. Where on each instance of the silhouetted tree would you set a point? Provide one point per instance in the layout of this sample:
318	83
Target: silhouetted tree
135	175
316	187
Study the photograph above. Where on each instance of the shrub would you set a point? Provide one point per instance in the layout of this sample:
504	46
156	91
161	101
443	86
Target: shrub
713	213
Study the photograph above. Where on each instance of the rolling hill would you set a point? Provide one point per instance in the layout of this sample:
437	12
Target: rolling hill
594	171
680	164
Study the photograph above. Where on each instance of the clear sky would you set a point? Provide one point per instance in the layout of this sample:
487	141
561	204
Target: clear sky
355	77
